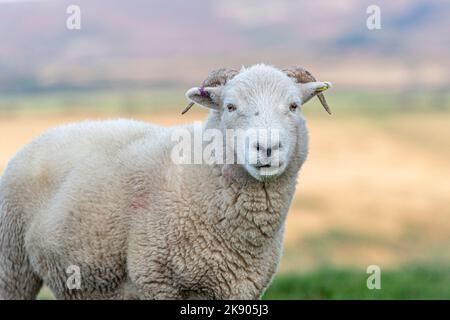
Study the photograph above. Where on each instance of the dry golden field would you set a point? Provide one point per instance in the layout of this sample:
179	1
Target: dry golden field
373	191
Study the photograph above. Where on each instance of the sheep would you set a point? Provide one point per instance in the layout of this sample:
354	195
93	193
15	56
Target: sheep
107	199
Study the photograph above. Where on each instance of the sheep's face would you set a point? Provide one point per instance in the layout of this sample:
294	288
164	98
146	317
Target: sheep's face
261	106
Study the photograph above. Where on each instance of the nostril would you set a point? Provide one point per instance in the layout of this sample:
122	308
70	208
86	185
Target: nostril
258	147
269	152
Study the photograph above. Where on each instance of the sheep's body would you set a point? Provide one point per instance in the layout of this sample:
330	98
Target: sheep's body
108	198
139	230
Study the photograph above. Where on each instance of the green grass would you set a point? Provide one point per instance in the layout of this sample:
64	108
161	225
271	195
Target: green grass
410	282
46	294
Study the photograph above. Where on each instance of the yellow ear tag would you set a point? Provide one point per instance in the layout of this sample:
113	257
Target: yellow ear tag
325	87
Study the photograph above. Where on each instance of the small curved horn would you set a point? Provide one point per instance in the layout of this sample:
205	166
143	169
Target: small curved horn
301	75
216	78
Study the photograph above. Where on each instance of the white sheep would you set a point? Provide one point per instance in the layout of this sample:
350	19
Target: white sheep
107	199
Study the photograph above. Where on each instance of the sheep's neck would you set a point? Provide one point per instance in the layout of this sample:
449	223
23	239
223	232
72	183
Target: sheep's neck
249	211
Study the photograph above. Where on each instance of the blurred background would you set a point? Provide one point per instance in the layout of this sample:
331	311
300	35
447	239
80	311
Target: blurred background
375	189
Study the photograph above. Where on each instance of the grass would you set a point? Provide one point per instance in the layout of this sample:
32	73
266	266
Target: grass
409	282
46	294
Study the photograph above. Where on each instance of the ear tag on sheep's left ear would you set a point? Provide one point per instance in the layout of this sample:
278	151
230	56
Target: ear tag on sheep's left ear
321	97
325	87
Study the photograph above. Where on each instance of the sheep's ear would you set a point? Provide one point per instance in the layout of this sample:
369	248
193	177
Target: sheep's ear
310	89
208	97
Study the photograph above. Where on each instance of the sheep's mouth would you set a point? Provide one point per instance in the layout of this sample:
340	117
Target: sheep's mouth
263	166
263	172
269	170
268	166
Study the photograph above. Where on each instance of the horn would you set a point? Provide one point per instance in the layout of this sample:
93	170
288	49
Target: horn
215	79
302	75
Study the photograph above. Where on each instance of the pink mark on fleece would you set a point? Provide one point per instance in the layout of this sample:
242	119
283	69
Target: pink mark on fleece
226	172
139	201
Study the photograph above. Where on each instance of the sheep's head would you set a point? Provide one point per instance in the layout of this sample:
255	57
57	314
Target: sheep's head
264	99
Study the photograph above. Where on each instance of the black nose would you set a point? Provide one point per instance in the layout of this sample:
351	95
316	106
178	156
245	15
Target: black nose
268	150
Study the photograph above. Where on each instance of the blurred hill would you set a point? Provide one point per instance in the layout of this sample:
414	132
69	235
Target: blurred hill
144	43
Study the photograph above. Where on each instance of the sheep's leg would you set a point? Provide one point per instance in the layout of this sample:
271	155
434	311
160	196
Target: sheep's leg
17	278
18	283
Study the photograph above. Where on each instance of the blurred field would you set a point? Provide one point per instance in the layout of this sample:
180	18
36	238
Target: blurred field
375	189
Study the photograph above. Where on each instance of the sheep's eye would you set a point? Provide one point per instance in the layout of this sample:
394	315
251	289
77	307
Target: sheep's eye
231	107
293	106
